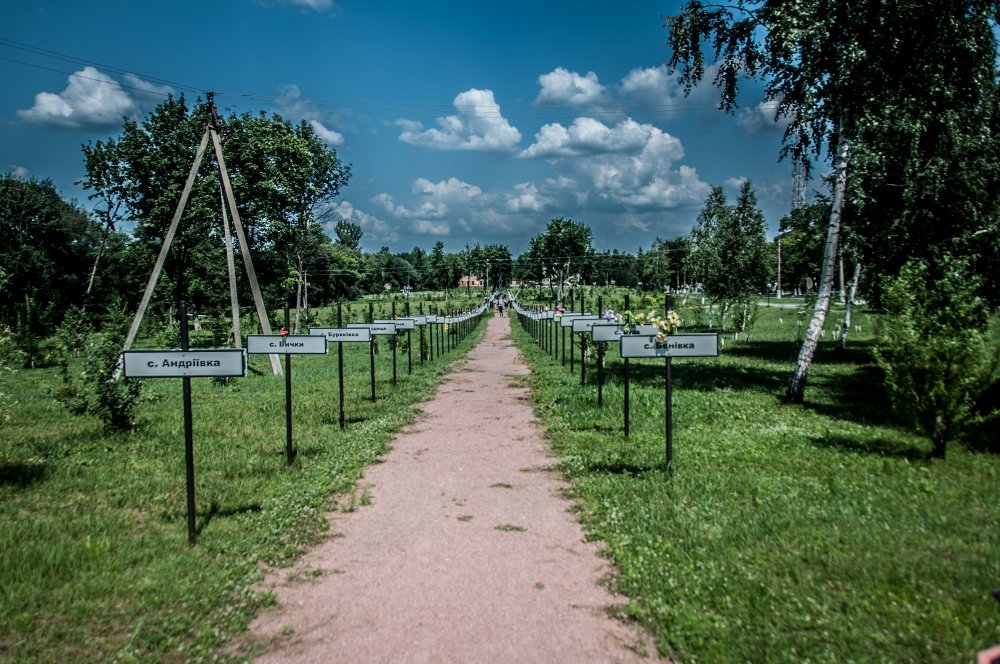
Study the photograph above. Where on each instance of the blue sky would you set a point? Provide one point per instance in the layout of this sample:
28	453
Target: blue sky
463	122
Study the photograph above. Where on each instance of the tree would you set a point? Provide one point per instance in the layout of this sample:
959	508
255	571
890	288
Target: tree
934	347
834	68
283	175
802	234
729	251
348	234
493	263
46	247
705	259
564	249
436	268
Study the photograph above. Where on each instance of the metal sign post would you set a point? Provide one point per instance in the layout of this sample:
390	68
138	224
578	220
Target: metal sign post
185	364
288	344
675	345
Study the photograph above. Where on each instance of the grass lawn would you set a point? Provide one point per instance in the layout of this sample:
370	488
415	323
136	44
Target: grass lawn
95	564
819	532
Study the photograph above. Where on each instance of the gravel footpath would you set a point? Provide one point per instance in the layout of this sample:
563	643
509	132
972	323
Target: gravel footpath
462	548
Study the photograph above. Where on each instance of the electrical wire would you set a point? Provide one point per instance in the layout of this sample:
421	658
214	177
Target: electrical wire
383	108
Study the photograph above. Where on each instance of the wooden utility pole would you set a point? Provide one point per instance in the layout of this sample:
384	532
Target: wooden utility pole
211	132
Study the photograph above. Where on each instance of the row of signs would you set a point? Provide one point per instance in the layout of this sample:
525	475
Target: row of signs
641	343
225	362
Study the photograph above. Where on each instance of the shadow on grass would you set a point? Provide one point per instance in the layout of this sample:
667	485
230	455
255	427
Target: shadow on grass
22	474
215	511
623	468
885	447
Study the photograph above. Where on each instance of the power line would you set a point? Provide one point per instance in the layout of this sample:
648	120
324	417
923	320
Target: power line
386	108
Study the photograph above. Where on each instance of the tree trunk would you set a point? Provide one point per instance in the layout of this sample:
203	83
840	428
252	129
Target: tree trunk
298	293
843	291
93	270
846	327
797	384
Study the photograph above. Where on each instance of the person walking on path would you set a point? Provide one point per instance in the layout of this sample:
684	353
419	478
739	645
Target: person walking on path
466	552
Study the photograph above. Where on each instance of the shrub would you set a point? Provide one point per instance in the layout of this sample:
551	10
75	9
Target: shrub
934	348
98	393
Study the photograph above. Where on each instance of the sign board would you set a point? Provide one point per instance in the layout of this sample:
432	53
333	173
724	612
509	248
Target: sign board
199	363
675	345
567	319
377	329
299	344
342	334
402	324
604	332
584	323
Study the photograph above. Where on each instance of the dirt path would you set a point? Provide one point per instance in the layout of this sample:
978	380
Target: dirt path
467	551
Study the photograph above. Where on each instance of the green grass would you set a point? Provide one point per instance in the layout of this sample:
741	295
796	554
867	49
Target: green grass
820	532
95	564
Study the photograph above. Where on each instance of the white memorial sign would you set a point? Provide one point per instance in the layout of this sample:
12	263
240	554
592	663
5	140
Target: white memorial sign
299	344
377	328
342	334
675	345
215	363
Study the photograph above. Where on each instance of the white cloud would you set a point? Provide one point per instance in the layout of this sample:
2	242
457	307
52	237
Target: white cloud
328	136
761	118
564	87
652	85
316	5
19	172
291	104
375	230
526	198
149	94
629	175
589	136
656	92
433	200
424	227
478	125
90	99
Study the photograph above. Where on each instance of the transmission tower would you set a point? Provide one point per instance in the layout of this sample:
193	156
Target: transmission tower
798	185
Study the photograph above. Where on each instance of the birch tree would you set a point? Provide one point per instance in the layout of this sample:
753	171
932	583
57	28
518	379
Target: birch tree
833	68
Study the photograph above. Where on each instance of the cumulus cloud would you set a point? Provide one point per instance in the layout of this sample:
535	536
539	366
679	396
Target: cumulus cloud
433	200
328	136
91	99
761	118
291	105
589	136
630	166
425	227
526	198
374	228
19	172
562	87
478	125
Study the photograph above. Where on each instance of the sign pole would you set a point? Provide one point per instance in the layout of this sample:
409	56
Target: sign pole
600	358
669	411
188	429
409	345
625	362
420	311
371	347
340	362
289	451
395	341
